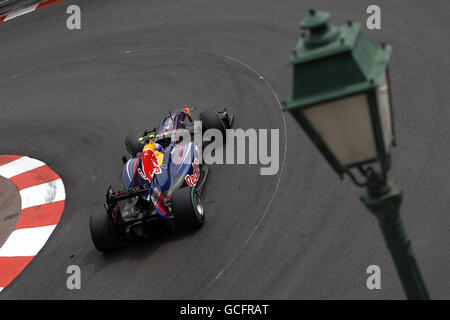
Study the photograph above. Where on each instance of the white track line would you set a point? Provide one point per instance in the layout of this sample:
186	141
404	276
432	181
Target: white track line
43	193
19	166
26	242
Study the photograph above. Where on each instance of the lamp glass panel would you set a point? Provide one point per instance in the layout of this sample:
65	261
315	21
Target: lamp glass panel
345	127
384	109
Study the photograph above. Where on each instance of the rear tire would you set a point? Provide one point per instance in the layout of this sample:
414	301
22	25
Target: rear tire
102	232
187	208
132	144
212	120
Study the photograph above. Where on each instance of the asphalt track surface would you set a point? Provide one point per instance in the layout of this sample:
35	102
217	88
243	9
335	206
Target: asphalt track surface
69	97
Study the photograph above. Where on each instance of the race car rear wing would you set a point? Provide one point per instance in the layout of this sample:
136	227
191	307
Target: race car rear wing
114	197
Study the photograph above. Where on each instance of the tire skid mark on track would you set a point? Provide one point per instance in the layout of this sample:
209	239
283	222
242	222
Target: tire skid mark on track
42	196
238	253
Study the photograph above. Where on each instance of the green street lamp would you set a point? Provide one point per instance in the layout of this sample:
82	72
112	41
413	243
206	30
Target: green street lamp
341	98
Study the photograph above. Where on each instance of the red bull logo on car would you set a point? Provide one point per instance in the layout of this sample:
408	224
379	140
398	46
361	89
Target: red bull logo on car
149	162
192	179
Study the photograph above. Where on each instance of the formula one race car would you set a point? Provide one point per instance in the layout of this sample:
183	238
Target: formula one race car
162	182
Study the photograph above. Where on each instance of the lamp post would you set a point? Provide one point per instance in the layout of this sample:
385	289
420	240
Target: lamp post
341	98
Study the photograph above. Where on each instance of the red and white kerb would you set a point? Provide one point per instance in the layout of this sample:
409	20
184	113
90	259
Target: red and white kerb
42	195
22	11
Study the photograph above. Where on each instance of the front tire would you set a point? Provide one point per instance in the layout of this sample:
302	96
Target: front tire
102	232
212	120
187	207
133	145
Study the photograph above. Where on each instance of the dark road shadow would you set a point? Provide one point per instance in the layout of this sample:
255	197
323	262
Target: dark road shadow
135	249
